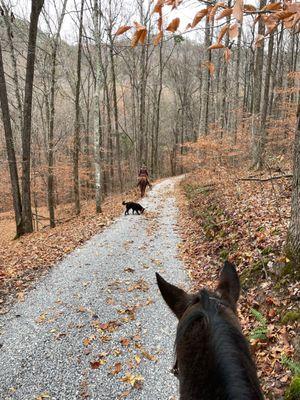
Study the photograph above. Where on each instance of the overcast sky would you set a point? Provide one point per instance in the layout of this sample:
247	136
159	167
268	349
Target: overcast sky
21	8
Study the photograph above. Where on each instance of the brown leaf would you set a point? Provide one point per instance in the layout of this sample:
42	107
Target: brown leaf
237	11
222	32
272	6
95	364
173	26
124	342
214	10
139	37
249	7
283	14
258	40
139	27
157	39
158	6
216	46
198	17
148	355
132	379
160	23
227	54
225	13
233	31
117	368
271	23
123	29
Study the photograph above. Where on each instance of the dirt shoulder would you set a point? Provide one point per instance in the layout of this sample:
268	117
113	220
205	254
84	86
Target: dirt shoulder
24	260
246	221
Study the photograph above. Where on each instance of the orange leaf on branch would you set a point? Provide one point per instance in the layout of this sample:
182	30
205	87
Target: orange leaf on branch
173	26
225	13
139	35
283	14
289	23
271	23
173	3
123	29
214	10
210	66
158	6
258	40
160	22
233	31
157	39
272	7
216	46
199	16
237	11
249	7
227	54
139	27
222	32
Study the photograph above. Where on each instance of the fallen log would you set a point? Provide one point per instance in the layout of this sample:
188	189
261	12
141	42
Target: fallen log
266	179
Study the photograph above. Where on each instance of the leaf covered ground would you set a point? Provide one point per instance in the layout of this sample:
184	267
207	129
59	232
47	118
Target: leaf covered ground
246	221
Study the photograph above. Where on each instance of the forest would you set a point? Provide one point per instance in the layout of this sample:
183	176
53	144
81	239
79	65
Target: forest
206	95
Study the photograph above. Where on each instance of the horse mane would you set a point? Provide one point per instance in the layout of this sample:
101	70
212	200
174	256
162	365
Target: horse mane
235	368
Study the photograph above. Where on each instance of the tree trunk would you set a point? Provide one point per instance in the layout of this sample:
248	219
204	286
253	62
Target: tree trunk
293	236
257	146
7	21
157	111
50	179
10	149
36	7
264	111
203	126
97	115
237	88
76	187
116	112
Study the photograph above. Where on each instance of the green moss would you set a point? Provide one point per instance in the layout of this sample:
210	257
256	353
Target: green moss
291	316
193	191
267	250
251	274
293	392
224	254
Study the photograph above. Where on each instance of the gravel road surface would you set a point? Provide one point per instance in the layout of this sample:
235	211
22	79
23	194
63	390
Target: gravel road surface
96	326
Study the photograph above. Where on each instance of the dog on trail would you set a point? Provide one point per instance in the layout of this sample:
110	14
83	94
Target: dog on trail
135	207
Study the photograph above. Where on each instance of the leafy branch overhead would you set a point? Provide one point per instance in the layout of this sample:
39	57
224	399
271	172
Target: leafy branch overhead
272	14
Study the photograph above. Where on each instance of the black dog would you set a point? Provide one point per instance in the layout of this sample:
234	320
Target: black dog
135	207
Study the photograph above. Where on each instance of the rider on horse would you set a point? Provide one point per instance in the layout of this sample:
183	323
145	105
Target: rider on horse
144	173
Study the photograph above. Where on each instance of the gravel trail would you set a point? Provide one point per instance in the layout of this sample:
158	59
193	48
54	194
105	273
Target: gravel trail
96	324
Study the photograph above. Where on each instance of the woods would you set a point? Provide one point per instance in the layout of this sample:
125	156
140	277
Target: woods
90	90
221	77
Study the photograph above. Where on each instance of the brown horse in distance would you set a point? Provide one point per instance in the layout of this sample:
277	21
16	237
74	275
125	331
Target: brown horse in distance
143	182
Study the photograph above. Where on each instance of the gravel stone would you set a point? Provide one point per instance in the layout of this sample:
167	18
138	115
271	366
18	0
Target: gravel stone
49	341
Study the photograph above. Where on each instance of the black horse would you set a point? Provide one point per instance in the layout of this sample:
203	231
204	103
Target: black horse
213	360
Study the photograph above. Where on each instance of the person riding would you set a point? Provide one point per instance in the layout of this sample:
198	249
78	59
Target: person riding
143	173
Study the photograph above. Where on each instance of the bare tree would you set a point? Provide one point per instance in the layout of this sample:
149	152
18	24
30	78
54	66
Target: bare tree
36	7
97	115
77	117
54	50
293	236
12	163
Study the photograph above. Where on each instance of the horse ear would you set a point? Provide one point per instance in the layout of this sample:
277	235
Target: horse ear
176	298
229	284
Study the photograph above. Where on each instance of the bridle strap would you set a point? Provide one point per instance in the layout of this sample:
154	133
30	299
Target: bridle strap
175	369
